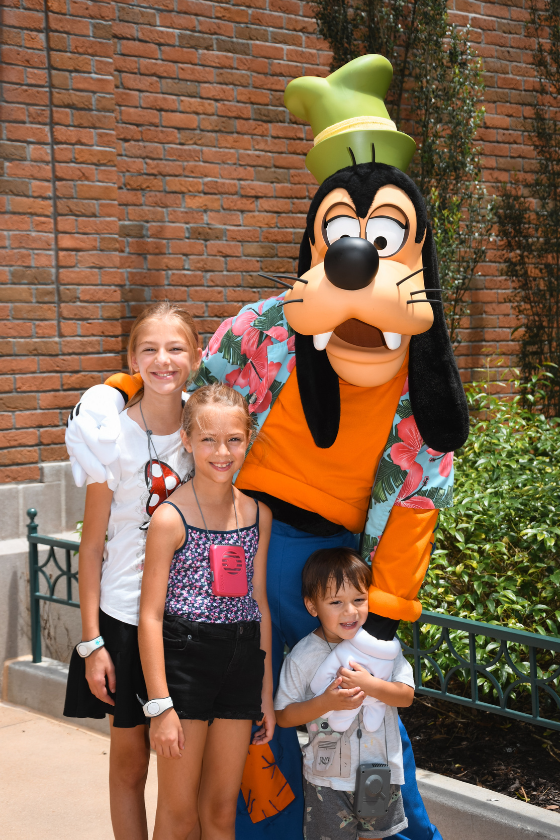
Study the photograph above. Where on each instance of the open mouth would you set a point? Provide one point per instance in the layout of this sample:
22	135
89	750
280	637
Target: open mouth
359	334
356	332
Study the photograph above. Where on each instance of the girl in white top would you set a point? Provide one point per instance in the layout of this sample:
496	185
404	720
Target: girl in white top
105	674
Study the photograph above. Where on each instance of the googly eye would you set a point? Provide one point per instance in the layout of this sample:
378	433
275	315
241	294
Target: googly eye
341	226
388	235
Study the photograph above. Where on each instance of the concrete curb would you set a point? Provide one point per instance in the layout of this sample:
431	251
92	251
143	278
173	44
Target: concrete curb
460	811
467	812
42	688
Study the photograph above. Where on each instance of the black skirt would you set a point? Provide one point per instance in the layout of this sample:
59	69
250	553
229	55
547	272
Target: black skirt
121	641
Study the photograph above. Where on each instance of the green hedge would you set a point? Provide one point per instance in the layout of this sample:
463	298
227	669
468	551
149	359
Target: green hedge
497	557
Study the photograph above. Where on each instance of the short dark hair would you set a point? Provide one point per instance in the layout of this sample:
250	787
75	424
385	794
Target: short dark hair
333	567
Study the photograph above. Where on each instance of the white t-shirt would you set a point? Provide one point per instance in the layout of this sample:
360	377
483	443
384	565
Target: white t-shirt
297	672
131	509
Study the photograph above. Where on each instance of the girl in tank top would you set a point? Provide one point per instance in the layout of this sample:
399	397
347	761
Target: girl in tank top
205	631
105	673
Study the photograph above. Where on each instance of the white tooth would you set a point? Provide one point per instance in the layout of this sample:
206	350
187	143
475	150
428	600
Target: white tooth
321	340
392	340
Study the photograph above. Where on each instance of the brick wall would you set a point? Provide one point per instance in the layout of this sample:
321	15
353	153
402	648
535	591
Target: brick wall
153	139
497	32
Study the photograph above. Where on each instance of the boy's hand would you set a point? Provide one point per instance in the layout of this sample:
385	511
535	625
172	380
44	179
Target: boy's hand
339	698
358	678
166	735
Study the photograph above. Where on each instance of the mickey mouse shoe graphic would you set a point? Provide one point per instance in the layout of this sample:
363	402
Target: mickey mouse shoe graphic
161	480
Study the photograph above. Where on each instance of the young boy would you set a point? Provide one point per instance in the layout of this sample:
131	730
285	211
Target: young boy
335	583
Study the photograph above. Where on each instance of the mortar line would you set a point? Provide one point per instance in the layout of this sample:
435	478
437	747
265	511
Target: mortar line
54	214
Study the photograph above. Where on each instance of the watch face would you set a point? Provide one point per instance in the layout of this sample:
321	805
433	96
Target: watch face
152	708
82	650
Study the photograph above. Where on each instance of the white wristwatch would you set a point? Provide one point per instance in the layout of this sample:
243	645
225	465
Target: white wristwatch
156	707
85	649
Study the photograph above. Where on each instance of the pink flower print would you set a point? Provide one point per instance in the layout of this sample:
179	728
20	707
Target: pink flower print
231	378
405	388
250	340
244	320
404	453
259	359
445	461
264	395
291	349
412	483
214	343
279	333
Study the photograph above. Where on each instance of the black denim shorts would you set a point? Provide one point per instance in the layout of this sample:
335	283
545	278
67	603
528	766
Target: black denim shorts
214	670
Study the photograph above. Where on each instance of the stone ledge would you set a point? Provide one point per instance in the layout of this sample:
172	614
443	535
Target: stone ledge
42	687
466	812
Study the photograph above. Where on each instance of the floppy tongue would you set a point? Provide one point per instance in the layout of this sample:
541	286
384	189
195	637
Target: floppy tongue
360	334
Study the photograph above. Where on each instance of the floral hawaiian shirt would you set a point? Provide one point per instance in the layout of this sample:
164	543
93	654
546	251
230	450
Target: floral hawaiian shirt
254	352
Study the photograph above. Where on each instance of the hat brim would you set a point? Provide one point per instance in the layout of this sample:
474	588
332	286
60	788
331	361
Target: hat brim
329	156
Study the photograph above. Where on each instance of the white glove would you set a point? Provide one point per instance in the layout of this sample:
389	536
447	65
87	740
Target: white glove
92	429
377	657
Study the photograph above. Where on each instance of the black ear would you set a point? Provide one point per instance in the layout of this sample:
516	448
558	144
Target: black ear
319	391
317	382
436	391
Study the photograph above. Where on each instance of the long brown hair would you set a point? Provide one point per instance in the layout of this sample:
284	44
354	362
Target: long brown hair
158	312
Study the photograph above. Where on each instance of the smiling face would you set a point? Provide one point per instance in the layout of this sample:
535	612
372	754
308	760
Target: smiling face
218	442
162	356
341	612
354	304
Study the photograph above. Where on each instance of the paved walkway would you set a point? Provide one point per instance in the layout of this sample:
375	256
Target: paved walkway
54	780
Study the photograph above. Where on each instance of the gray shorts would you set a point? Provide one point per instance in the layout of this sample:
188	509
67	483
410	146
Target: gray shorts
329	815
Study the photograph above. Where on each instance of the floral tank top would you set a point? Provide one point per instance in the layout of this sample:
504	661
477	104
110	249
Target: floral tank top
189	590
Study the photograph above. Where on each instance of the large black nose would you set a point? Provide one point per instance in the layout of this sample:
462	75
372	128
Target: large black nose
351	263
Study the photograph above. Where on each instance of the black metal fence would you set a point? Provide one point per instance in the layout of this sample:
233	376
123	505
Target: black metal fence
50	573
454	659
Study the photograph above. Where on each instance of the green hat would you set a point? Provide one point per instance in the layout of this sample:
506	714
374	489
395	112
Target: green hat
346	111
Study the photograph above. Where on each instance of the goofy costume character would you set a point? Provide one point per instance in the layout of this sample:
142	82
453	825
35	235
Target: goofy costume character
351	376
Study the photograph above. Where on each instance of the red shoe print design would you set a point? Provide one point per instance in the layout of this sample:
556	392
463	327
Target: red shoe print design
160	478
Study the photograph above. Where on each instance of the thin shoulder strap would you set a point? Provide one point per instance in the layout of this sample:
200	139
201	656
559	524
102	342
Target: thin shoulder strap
258	514
167	502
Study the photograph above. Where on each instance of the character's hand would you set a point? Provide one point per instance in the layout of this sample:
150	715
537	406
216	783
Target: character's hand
166	735
92	429
339	698
357	678
100	671
267	724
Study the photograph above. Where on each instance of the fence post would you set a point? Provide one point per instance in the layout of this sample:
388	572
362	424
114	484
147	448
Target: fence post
32	528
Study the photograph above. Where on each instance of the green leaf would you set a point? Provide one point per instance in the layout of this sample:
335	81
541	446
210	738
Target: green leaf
204	377
271	317
388	480
404	409
230	348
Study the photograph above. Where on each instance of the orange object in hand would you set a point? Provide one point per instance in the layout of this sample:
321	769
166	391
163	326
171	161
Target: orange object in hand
264	787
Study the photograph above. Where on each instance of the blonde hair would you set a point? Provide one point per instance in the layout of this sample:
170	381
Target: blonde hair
216	394
159	312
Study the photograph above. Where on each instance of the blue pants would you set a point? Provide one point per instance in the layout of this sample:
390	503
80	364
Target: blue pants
289	549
